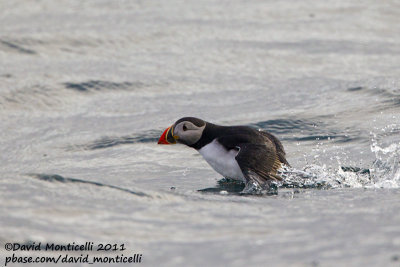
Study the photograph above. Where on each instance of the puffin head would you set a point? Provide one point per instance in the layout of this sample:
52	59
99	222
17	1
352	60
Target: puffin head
187	131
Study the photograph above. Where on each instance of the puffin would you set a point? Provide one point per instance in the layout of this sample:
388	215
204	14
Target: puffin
236	152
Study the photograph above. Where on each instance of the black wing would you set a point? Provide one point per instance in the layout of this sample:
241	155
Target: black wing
257	157
244	134
259	163
278	145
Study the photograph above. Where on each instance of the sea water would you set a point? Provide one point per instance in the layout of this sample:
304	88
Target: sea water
86	89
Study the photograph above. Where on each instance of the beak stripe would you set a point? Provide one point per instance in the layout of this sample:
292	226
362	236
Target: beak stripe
166	134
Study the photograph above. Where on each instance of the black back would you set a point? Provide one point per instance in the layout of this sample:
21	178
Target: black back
234	135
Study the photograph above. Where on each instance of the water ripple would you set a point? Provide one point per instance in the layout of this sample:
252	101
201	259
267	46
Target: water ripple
17	48
285	126
107	141
61	179
299	130
388	98
97	85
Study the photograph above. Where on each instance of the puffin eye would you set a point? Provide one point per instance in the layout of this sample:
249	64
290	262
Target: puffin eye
184	127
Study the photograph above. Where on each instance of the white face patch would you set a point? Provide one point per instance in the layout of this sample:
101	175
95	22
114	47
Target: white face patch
222	160
188	133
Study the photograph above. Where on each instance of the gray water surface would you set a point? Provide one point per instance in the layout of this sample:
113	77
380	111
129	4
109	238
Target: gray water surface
86	89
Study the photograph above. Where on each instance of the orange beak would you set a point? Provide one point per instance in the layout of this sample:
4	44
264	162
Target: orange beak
168	137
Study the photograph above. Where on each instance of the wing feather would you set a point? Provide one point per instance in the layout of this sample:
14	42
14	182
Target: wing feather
257	157
261	160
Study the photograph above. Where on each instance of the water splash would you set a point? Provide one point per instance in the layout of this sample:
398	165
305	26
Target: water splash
321	177
383	173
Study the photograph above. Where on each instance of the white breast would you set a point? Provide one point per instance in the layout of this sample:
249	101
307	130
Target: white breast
222	160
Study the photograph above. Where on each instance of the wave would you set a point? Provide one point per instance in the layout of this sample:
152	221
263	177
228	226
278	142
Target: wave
96	85
316	46
389	97
41	96
150	136
298	130
61	179
33	97
13	46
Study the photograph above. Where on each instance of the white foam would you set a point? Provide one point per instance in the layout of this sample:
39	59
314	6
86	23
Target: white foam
383	173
